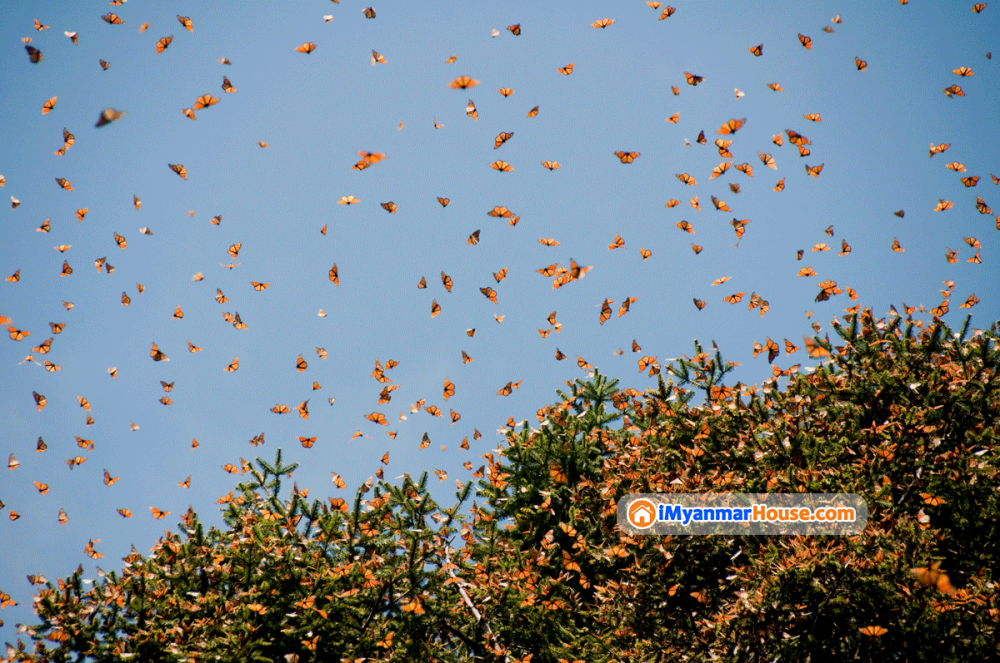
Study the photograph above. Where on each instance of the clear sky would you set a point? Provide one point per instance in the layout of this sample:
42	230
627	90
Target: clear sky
316	111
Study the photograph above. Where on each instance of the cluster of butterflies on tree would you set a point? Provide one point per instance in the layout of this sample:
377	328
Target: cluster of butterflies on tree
561	275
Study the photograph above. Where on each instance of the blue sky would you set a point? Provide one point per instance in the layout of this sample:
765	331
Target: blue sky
316	111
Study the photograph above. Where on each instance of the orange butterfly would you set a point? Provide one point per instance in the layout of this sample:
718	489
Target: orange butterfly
735	298
732	126
462	83
390	207
49	105
502	138
692	79
502	166
873	631
233	366
334	276
308	47
112	19
627	157
813	117
159	515
179	169
619	243
861	64
806	41
815	170
435	308
227	87
377	58
645	253
205	101
506	91
567	70
377	418
163	44
667	13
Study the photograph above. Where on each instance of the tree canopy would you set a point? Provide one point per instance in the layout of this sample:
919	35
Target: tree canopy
535	569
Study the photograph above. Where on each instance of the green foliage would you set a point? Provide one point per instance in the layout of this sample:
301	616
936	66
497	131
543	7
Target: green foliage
905	417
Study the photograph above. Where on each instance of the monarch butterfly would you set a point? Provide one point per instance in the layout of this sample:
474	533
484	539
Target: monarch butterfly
672	203
186	22
813	117
446	281
179	169
692	79
654	4
452	59
227	87
514	29
369	12
334	275
567	70
473	238
932	576
739	93
502	166
548	242
673	118
64	183
112	19
390	207
735	298
187	112
627	157
970	181
982	206
307	47
667	13
205	101
687	179
506	91
186	483
377	418
104	65
466	358
348	200
745	168
502	138
159	515
619	243
978	7
224	61
377	58
49	105
259	286
675	90
163	44
719	170
806	41
956	166
694	203
731	127
66	269
157	355
490	294
685	226
462	83
780	186
953	91
603	23
970	302
435	308
815	170
757	50
873	631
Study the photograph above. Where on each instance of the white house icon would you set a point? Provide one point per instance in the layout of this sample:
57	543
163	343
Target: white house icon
642	515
